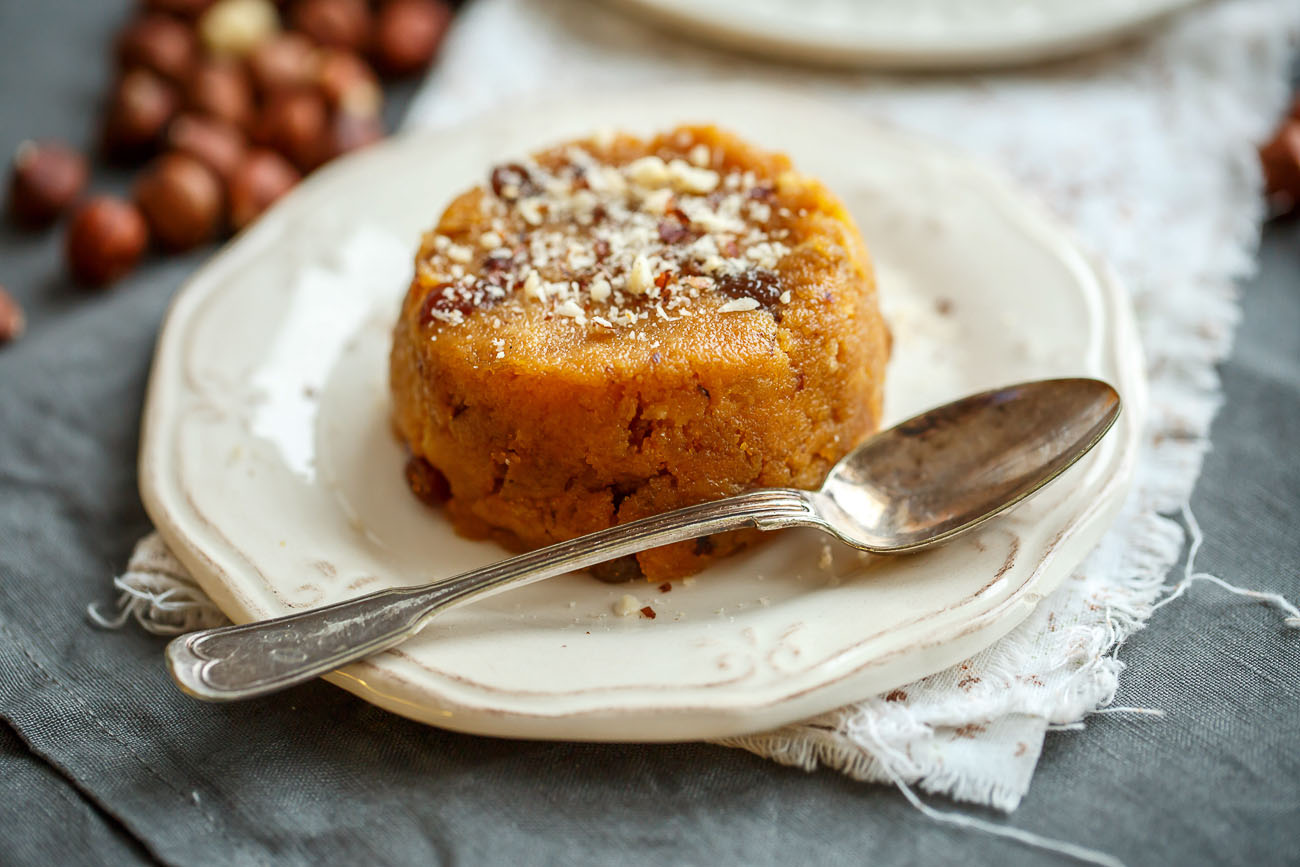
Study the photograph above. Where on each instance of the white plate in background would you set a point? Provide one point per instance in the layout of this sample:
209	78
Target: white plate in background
910	34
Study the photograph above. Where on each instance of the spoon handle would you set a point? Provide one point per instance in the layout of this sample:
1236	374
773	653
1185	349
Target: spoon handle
237	662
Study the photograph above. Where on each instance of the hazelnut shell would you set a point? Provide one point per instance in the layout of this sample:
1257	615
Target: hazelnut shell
348	83
407	34
45	179
141	106
284	62
221	88
159	43
181	199
260	179
295	123
334	23
216	144
105	240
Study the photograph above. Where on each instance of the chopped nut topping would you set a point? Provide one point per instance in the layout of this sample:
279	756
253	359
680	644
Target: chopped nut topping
571	309
737	305
648	172
533	286
689	179
611	246
639	278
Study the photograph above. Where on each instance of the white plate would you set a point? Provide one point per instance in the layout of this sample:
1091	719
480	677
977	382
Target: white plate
911	34
269	467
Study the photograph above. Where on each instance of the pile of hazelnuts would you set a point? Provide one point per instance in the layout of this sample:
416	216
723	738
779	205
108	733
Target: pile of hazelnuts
225	104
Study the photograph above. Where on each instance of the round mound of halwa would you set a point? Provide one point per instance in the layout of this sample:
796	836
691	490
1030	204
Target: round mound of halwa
616	327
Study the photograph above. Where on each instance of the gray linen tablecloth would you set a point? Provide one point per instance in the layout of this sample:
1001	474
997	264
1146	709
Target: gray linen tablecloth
102	761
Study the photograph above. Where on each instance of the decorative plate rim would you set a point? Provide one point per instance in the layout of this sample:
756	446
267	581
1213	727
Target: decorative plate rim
392	689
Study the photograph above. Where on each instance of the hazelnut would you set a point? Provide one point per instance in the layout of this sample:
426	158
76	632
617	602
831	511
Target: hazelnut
348	83
349	132
181	8
334	23
294	122
284	62
1281	162
181	200
45	179
141	106
263	177
407	34
232	28
221	88
215	143
12	321
105	240
160	44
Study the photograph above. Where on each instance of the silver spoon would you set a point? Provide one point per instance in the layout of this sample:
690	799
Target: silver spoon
912	486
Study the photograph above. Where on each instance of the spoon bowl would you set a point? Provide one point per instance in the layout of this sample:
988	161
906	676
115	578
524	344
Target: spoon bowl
917	484
940	473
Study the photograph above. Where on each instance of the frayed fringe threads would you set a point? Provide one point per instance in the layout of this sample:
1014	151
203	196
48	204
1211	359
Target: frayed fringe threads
1277	600
887	758
895	764
161	604
158	593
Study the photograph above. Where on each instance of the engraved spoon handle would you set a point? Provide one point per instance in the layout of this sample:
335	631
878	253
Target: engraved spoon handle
237	662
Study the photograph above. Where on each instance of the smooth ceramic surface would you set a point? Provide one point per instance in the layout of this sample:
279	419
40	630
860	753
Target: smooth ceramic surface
269	466
916	34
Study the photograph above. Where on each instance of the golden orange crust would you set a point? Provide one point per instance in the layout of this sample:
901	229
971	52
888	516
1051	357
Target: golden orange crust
548	425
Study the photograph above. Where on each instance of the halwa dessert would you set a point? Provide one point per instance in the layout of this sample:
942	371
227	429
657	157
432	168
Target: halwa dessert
617	327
